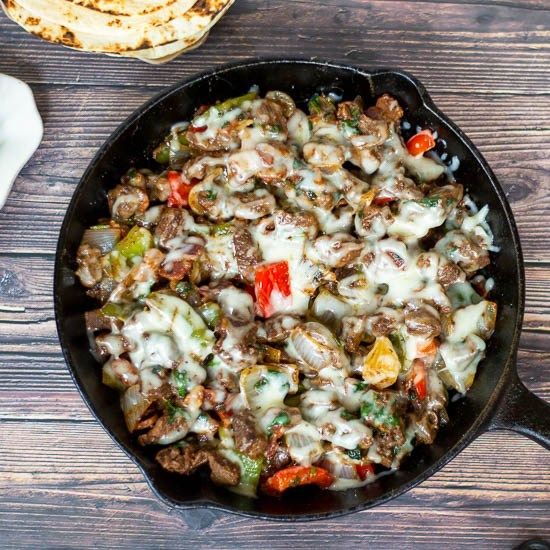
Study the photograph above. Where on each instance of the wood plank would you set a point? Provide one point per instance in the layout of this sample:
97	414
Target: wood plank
78	120
445	50
87	491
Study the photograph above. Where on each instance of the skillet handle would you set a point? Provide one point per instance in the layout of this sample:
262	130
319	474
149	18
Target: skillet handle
522	411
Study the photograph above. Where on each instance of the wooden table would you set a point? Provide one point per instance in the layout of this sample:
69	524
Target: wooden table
63	482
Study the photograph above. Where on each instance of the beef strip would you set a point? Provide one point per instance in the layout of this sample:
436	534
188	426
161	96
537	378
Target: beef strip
89	269
422	322
127	200
171	224
185	460
182	460
381	324
353	329
102	290
448	274
278	327
247	439
388	443
222	470
246	253
95	320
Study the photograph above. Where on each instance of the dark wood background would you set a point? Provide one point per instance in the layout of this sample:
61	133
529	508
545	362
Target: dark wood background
63	483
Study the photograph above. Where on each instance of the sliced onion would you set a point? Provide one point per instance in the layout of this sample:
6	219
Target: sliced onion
316	346
134	405
103	238
284	100
338	466
330	309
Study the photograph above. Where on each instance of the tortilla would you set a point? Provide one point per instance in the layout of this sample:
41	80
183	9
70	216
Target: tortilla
150	30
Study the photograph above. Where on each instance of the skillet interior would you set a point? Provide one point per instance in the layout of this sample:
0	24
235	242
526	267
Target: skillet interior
132	144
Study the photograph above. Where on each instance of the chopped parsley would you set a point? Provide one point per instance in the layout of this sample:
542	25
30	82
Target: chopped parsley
260	384
314	105
351	126
354	454
360	386
346	415
378	414
273	128
210	195
173	411
282	419
184	288
199	334
429	201
181	382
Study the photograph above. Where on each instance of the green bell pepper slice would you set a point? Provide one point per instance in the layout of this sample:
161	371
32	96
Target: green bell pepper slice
136	243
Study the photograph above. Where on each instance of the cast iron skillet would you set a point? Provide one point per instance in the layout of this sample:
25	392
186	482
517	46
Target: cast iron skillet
497	400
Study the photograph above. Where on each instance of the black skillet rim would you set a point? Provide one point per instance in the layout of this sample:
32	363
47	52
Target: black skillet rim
508	370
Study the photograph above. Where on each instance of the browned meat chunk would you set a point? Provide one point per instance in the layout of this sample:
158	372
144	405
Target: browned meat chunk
302	221
95	320
247	439
426	426
171	224
381	324
185	460
254	205
389	108
102	290
182	460
222	470
179	262
474	257
367	215
271	115
449	274
159	187
335	250
246	253
89	269
277	457
353	329
387	444
278	327
127	200
236	345
422	322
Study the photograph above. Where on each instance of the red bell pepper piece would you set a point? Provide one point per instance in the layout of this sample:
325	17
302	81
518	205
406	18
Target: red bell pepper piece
382	201
364	470
428	349
420	379
296	476
271	286
197	129
420	143
180	189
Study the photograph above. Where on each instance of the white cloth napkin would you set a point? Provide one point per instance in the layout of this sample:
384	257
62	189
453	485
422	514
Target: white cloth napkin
20	130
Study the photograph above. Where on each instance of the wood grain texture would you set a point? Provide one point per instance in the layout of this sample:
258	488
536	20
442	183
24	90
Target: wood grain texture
444	47
63	482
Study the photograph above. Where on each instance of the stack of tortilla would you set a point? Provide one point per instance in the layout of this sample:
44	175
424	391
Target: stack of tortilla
154	31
